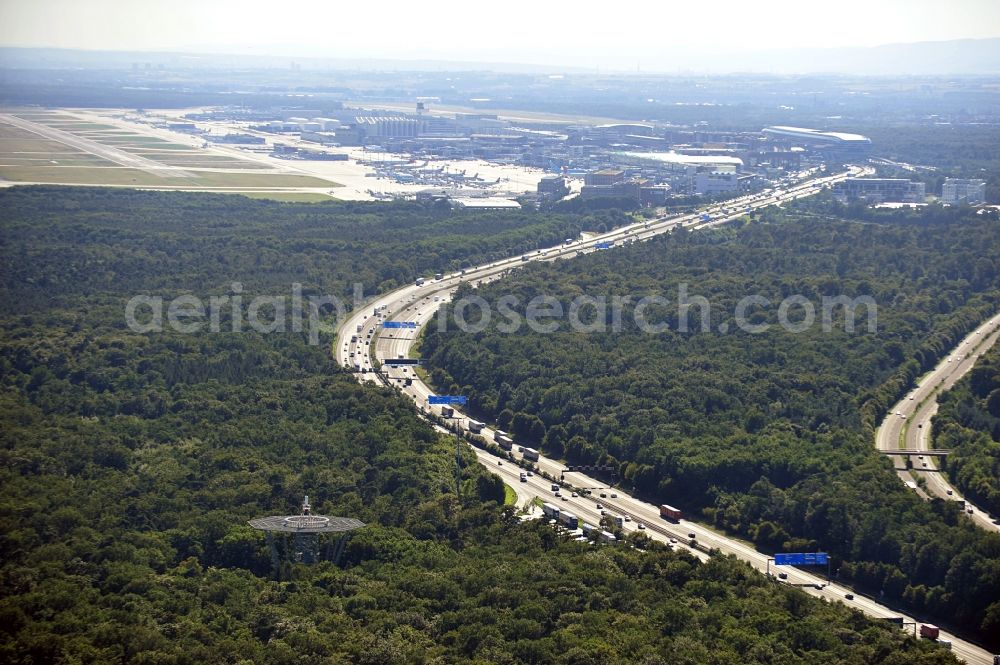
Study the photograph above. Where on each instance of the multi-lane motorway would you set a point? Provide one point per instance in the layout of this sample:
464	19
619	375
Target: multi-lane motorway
362	339
908	424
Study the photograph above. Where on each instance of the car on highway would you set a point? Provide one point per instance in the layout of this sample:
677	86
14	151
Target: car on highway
614	495
599	506
628	519
564	497
782	576
849	596
640	525
575	495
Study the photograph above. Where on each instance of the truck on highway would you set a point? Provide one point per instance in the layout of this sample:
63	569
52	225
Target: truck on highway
929	631
360	327
555	487
475	426
438	275
447	412
588	529
503	440
705	217
669	512
354	338
607	537
420	281
524	477
530	454
550	511
568	520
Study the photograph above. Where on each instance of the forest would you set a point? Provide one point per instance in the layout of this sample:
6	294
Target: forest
64	243
132	462
968	424
770	434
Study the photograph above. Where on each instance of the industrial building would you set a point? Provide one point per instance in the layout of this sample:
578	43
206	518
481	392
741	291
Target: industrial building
713	183
552	186
956	191
388	126
625	189
879	190
604	178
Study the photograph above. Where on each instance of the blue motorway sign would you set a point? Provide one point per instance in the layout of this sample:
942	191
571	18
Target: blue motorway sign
446	399
602	245
399	324
801	559
401	361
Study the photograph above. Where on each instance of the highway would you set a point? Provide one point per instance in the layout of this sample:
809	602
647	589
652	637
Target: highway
417	304
908	424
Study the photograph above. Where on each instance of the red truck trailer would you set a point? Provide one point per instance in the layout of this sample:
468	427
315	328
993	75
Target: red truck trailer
669	512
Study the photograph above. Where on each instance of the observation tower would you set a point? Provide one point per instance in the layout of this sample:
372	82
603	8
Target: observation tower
307	530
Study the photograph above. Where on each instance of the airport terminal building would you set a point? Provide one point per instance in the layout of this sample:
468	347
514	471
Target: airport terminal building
839	146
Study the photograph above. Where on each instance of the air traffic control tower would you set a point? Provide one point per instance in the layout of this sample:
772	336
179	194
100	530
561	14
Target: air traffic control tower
307	530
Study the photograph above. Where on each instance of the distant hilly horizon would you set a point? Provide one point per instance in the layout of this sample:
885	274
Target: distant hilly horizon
962	57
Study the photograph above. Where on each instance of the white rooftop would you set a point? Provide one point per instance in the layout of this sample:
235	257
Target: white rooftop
806	132
677	158
485	203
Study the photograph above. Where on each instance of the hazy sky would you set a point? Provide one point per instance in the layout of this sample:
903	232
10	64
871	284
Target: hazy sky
584	33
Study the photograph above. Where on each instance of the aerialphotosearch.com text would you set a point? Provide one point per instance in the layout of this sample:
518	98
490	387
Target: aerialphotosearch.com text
317	315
